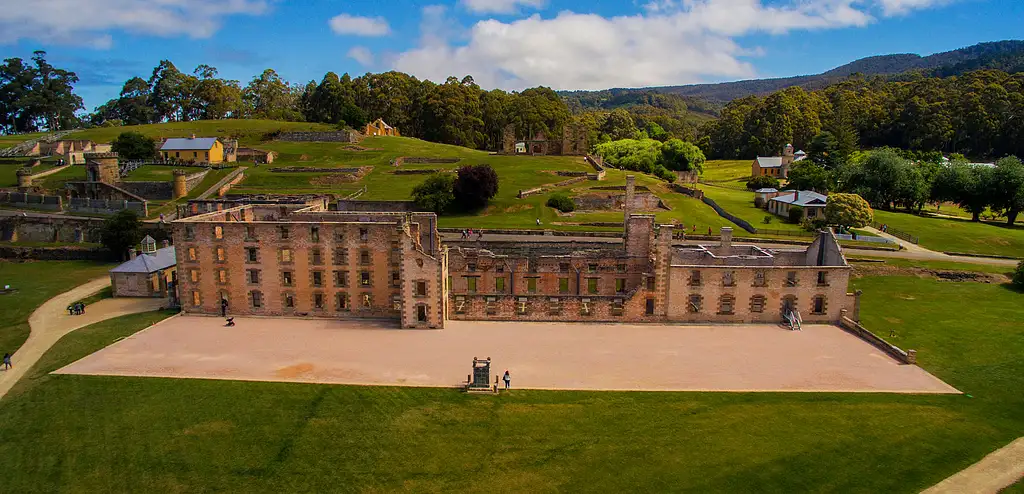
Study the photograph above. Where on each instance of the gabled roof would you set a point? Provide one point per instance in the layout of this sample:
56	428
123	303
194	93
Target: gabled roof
800	153
381	120
806	198
188	143
148	263
766	190
769	161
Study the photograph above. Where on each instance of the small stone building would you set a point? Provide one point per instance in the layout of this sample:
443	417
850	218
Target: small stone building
380	128
776	166
150	273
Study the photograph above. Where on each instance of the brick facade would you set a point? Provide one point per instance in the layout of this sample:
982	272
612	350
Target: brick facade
302	260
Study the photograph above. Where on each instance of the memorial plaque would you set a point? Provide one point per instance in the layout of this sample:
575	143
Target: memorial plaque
481	374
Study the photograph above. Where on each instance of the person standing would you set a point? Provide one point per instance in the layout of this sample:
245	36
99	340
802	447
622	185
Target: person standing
507	378
223	307
7	361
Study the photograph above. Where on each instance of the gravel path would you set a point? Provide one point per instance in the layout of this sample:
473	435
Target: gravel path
51	321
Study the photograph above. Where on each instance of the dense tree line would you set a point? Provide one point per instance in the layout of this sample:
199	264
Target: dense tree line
887	179
36	96
977	114
654	157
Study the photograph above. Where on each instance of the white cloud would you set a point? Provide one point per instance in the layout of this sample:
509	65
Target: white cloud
672	42
359	26
361	54
501	6
89	22
897	7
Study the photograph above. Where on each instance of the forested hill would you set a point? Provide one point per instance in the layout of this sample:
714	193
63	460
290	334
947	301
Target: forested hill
1007	56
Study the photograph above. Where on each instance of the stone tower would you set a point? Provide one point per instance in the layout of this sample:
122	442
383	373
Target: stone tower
102	167
508	140
24	178
180	184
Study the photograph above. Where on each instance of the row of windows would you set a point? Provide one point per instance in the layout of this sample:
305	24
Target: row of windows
195	154
317	278
760	278
283	233
340	279
341	300
552	306
727	304
316	257
472	283
563	267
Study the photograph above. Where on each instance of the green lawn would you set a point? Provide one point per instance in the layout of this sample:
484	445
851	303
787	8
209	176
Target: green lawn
80	433
7	141
740	202
246	131
37	282
727	173
952	235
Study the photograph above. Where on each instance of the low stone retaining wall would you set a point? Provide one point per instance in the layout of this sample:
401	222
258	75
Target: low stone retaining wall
104	206
968	254
373	206
301	169
64	253
695	193
907	357
337	136
419	160
149	190
31	201
420	171
538	190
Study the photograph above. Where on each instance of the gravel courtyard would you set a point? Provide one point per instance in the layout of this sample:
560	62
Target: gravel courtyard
538	355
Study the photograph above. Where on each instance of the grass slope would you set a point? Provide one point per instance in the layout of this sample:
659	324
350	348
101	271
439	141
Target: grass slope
37	282
246	131
7	141
77	433
954	235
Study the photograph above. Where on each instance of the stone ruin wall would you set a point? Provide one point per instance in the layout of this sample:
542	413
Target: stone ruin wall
337	136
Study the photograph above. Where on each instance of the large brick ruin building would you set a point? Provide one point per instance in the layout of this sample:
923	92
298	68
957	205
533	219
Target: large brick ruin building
301	260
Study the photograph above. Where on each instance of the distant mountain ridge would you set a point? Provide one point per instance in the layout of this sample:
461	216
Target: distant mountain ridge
1005	55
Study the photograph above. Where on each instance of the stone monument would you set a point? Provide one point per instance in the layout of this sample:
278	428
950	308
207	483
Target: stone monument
480	380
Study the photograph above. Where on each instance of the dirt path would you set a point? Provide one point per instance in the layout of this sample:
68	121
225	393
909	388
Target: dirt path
51	321
994	472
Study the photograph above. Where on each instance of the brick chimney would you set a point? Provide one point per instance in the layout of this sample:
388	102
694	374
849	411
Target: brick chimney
166	243
131	253
726	236
796	196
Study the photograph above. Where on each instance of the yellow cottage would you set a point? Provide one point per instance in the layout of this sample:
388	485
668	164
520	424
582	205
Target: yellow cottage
200	150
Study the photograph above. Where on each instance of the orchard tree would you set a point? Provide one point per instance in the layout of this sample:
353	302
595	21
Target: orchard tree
682	156
134	146
1008	187
475	186
436	193
848	211
121	232
809	176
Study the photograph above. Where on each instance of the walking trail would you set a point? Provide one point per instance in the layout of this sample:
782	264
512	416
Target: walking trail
51	321
998	470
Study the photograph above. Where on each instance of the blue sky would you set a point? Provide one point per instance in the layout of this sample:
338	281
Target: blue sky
510	44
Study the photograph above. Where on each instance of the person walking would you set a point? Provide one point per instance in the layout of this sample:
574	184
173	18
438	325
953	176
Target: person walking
507	378
538	221
71	310
81	308
7	361
479	234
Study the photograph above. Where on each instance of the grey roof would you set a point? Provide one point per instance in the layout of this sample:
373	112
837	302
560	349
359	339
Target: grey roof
765	190
799	153
148	263
806	198
188	143
769	161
